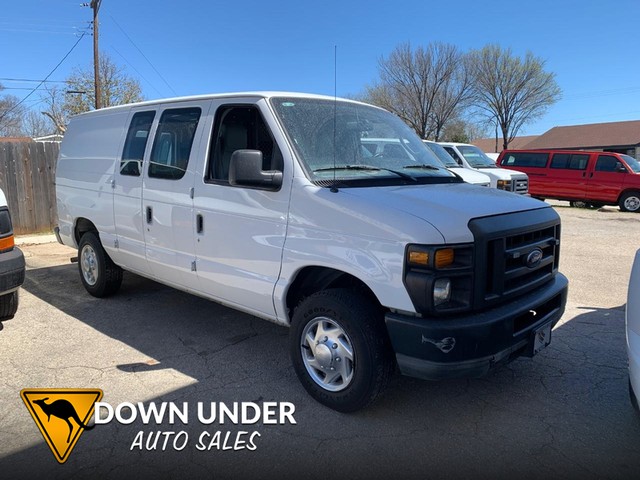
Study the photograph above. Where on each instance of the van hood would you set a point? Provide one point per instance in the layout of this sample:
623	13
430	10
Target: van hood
448	207
471	176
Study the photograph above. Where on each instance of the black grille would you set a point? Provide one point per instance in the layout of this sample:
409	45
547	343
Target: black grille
516	254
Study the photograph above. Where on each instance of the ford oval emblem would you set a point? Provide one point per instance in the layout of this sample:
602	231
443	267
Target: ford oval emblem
534	258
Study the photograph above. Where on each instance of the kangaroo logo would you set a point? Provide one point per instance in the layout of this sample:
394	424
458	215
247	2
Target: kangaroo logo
64	410
61	415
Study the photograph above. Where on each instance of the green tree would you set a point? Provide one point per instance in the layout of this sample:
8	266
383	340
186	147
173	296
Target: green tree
511	92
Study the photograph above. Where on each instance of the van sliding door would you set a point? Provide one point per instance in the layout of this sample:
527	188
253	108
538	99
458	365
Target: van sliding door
167	201
127	193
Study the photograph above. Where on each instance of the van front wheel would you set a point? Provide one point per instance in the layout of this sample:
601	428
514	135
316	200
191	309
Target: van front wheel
630	202
99	275
340	349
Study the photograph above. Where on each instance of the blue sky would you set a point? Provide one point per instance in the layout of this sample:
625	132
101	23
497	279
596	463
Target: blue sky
213	46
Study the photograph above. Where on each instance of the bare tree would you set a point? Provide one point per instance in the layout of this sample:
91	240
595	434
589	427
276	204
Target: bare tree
117	88
54	100
511	92
35	124
425	87
11	114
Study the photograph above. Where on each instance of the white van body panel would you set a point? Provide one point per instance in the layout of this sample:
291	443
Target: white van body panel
472	176
85	173
632	321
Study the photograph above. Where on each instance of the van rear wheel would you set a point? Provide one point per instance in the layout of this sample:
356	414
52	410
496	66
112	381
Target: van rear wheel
340	349
630	202
99	275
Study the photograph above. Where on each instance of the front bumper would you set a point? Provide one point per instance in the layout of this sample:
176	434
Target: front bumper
12	270
470	345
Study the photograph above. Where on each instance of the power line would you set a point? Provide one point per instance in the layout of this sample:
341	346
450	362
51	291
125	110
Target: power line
136	70
30	80
45	79
145	57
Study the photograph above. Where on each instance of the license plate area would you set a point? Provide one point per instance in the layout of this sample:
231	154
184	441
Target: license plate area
541	338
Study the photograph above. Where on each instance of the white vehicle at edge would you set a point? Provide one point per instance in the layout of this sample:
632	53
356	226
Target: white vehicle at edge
268	203
470	156
467	174
633	330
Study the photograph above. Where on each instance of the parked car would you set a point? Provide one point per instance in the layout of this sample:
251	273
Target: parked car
267	203
633	331
471	157
591	178
12	266
468	175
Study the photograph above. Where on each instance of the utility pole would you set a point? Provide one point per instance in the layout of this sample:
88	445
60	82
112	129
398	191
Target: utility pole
95	6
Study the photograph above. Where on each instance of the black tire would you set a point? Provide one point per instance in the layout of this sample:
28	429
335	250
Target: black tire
99	275
578	204
366	373
8	305
630	202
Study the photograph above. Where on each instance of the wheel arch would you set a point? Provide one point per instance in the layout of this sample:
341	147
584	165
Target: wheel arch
82	226
312	279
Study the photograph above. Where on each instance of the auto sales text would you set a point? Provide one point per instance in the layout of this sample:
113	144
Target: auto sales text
207	413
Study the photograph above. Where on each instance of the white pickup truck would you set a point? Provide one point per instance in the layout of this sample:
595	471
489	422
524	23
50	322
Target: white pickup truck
275	204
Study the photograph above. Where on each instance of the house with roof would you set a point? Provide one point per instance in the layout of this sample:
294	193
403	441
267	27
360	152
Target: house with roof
619	137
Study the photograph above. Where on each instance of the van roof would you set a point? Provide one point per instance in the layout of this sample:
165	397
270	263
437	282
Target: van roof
562	150
255	94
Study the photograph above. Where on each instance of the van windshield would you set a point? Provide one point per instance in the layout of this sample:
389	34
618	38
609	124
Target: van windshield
632	162
476	157
442	155
355	144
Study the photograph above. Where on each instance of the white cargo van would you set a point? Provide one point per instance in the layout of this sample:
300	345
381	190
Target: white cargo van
266	202
467	174
470	156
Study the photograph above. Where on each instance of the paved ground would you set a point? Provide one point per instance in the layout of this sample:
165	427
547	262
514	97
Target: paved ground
562	414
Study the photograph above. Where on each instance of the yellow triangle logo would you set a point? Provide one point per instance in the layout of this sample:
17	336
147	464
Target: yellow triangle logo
61	414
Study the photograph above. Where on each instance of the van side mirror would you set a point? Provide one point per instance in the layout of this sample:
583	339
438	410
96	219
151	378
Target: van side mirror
245	170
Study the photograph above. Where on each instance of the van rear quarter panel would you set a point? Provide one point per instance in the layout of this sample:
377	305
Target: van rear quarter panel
86	165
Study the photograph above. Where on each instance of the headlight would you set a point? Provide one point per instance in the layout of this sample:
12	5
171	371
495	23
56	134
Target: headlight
441	291
439	278
504	185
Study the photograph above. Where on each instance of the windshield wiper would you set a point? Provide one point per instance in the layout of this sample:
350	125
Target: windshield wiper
423	166
370	168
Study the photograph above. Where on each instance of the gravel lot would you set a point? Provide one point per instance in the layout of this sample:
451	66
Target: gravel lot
563	414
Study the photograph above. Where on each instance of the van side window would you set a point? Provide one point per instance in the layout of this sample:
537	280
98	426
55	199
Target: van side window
135	144
455	156
239	128
570	161
526	159
172	144
607	163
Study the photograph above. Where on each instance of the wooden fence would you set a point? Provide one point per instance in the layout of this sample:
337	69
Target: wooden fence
27	177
